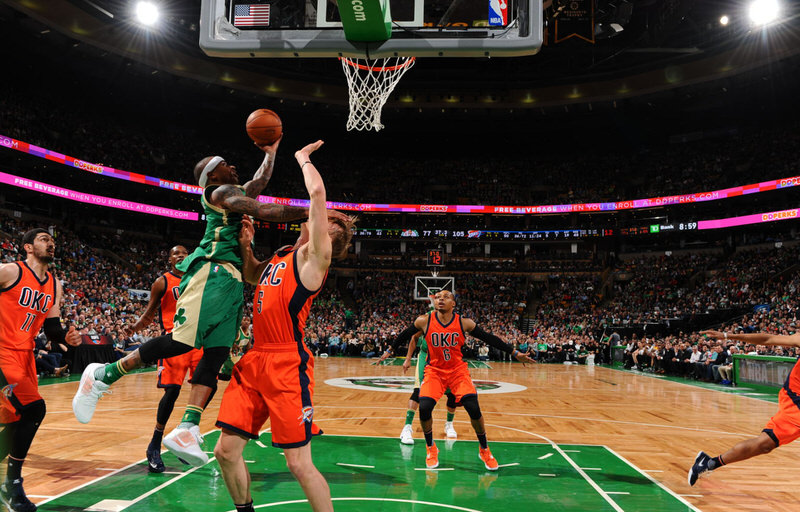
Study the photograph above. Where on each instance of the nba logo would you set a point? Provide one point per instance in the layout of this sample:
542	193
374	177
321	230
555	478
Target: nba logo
498	13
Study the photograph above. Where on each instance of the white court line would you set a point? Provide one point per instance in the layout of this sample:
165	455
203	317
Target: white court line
572	463
249	462
395	500
617	492
592	469
90	482
572	451
434	469
546	474
354	465
166	484
172	472
508	465
677	496
545	456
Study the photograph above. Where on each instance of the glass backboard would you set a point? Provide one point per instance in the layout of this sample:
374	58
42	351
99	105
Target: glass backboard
421	28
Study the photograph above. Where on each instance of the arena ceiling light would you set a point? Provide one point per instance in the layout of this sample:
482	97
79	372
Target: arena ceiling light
764	12
147	13
724	20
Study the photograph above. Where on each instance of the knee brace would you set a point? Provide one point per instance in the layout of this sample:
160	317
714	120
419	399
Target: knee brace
207	369
426	406
162	347
451	401
470	403
415	395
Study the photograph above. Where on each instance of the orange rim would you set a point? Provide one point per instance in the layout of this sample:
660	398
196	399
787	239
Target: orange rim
380	69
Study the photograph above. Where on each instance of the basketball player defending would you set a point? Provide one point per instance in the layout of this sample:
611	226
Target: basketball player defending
446	332
30	298
210	306
164	295
781	429
407	434
275	379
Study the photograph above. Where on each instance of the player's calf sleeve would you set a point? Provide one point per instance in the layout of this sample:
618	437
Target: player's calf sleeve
25	429
207	369
167	404
426	406
162	347
470	403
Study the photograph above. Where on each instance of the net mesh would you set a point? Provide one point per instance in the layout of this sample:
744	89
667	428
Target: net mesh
370	83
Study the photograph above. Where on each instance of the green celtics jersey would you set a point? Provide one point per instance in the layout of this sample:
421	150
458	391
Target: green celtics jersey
242	339
423	347
220	242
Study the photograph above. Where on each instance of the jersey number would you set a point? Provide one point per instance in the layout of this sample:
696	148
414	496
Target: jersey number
29	318
260	296
176	292
446	352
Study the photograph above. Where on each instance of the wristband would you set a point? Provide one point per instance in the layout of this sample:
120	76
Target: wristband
514	353
304	164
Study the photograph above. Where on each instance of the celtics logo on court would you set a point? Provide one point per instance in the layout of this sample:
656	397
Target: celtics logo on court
398	384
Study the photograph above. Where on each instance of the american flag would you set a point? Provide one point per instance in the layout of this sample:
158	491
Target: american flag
248	15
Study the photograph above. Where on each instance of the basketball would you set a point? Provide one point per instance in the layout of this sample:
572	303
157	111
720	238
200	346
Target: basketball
264	126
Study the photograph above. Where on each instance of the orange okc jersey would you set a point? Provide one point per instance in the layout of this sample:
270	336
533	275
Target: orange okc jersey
168	300
445	342
281	303
24	307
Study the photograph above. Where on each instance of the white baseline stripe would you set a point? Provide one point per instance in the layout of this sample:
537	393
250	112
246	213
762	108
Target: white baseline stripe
354	465
677	496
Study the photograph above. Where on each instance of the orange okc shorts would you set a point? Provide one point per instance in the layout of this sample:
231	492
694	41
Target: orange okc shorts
437	381
20	384
172	371
784	427
275	383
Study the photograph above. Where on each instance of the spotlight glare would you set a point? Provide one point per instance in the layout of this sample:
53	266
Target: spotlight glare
147	13
724	20
763	12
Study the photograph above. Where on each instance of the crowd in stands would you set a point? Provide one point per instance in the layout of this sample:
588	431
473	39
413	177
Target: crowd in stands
169	150
563	317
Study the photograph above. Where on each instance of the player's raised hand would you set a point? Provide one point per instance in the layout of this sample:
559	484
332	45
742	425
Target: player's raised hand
72	337
302	154
270	149
248	231
713	334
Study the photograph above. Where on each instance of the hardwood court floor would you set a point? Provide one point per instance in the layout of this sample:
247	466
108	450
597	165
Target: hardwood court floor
656	425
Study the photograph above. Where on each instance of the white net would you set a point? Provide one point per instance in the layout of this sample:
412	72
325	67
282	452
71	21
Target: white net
370	84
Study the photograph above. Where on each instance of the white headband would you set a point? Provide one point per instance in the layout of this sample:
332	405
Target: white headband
210	166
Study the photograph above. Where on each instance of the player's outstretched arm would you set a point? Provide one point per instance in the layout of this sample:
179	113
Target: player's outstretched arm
756	338
320	248
469	326
231	198
405	336
156	292
264	172
251	267
412	346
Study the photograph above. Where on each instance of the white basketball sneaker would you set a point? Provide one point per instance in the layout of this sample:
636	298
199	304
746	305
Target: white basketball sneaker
406	436
185	443
449	431
89	392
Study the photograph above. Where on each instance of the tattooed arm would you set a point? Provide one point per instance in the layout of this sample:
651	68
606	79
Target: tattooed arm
231	198
264	172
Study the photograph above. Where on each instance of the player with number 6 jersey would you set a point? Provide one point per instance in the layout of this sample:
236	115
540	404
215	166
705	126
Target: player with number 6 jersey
445	332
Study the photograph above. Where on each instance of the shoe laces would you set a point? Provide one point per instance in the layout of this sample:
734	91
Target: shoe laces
98	391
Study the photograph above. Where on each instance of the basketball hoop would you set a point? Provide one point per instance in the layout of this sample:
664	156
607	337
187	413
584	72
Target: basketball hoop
370	83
